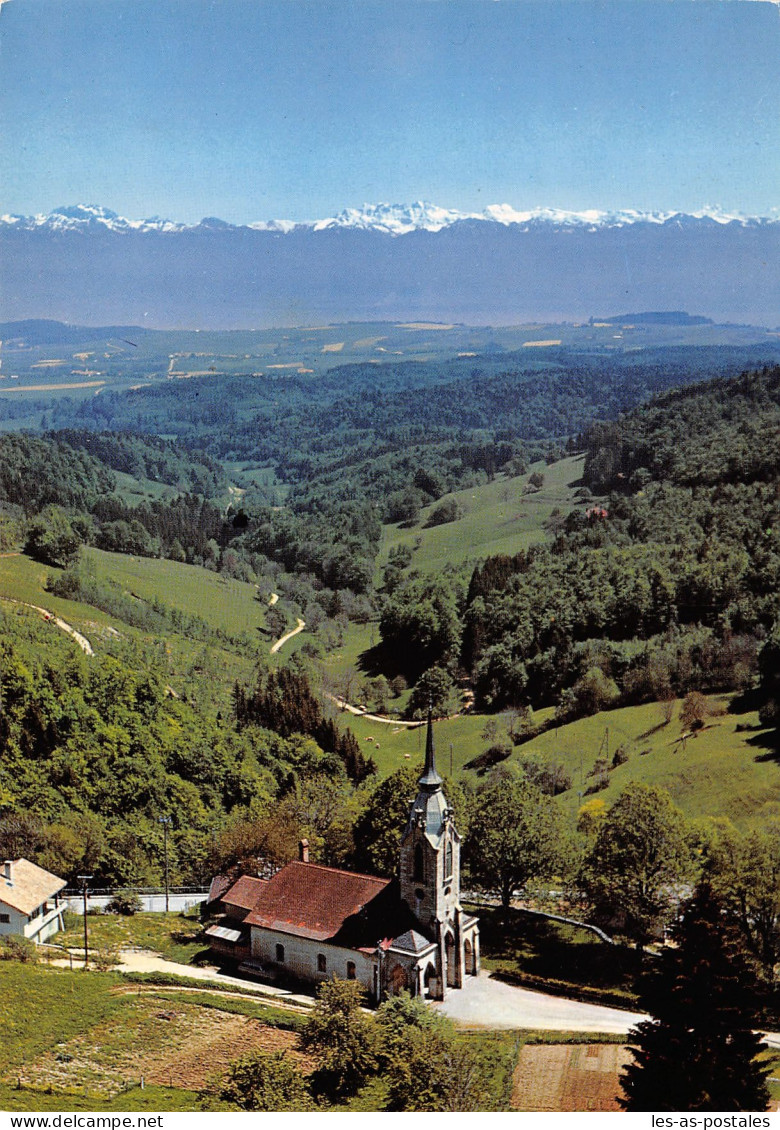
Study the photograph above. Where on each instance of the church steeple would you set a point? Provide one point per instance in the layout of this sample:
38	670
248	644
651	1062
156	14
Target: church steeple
430	848
430	780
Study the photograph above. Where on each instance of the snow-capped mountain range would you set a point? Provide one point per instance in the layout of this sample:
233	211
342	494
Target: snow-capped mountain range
389	219
412	263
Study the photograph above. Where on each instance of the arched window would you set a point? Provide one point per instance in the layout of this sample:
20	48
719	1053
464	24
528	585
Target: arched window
322	963
351	971
419	864
280	953
448	859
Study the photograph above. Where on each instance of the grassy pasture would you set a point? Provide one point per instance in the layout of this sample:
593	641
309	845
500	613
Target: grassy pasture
177	937
79	1041
23	579
202	669
393	747
722	771
225	604
497	517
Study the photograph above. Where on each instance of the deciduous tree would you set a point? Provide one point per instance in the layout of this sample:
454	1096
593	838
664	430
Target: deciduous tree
641	853
518	836
263	1081
342	1037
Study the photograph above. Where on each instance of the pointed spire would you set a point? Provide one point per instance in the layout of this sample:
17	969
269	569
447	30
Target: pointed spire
430	779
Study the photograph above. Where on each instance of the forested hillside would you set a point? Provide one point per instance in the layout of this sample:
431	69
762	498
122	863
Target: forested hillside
671	585
316	463
95	749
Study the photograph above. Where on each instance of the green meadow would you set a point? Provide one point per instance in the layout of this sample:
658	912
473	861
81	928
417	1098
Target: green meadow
727	769
225	604
496	517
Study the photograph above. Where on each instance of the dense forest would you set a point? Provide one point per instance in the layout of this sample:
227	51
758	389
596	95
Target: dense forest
671	585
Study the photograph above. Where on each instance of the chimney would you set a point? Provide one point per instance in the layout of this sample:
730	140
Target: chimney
303	851
7	872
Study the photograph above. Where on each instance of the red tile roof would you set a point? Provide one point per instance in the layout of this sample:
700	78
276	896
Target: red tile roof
219	884
244	892
315	902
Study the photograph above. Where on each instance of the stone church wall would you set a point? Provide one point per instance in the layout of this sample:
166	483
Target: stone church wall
301	954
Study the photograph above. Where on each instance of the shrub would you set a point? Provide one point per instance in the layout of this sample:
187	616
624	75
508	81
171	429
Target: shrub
620	756
264	1081
447	511
15	947
492	756
125	902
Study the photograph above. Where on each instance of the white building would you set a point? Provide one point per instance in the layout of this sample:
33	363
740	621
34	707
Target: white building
311	923
29	900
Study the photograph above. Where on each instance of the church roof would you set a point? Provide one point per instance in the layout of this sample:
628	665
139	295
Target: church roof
430	779
311	901
244	892
430	808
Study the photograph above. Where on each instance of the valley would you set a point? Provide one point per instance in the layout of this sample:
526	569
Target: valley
568	552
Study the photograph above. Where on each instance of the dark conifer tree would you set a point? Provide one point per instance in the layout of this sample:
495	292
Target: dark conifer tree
699	1050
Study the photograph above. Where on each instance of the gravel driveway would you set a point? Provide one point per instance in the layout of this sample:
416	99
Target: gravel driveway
486	1003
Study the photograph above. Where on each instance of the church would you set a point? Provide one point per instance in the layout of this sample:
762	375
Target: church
311	923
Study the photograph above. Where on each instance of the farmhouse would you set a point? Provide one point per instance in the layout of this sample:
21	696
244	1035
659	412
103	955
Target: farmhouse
311	922
29	900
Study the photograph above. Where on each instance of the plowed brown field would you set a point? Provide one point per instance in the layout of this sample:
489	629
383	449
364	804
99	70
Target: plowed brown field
567	1077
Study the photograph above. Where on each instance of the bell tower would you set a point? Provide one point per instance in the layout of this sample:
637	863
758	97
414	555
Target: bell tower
430	851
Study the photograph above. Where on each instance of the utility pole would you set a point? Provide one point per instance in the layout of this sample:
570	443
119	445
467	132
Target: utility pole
84	879
165	821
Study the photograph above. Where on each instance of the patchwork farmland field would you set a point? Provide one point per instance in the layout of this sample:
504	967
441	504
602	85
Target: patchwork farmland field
569	1077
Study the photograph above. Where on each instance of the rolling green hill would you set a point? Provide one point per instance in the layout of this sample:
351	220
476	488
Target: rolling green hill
496	517
730	768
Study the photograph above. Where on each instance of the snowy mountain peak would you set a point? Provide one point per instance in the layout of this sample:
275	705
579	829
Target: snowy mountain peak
387	219
394	219
87	217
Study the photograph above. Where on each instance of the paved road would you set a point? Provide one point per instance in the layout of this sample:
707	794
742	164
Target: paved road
483	1003
143	961
487	1003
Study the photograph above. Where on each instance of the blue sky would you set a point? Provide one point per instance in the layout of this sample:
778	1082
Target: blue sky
258	109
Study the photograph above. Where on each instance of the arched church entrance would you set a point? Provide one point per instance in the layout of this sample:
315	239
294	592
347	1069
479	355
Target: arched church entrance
430	980
449	948
398	981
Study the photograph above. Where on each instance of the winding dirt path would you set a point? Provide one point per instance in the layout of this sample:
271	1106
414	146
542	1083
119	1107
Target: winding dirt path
51	618
343	705
281	642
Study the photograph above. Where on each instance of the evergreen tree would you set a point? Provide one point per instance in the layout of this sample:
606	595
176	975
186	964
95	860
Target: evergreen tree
699	1051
